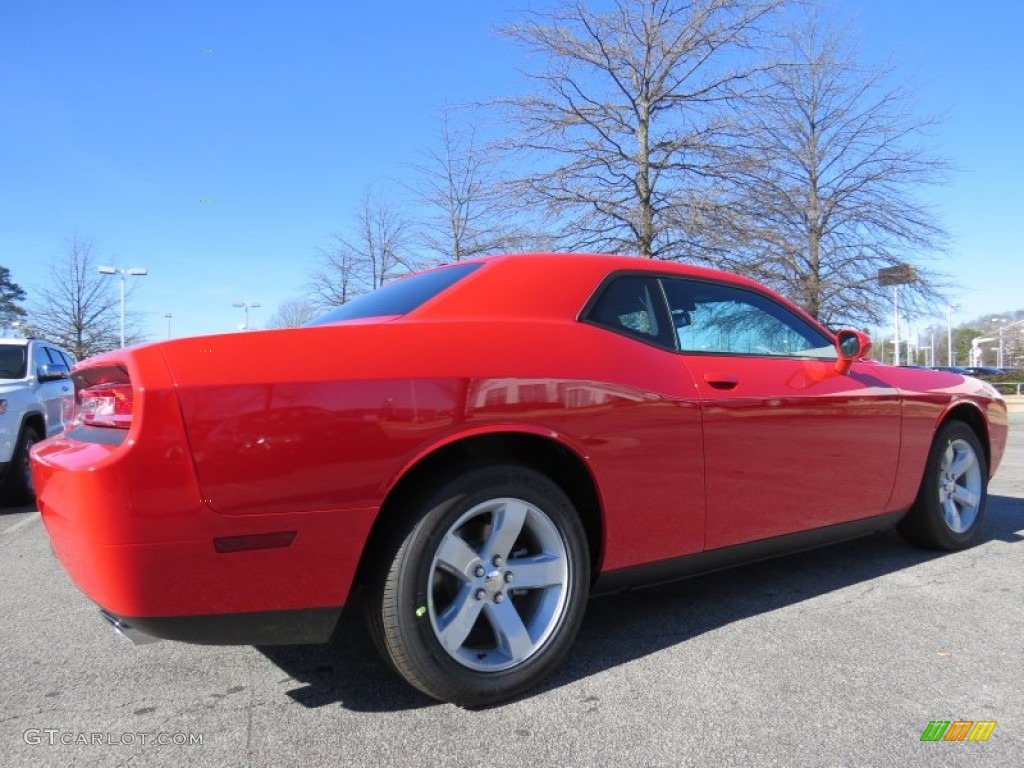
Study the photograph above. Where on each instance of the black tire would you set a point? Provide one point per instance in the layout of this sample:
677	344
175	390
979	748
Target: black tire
950	507
18	487
439	579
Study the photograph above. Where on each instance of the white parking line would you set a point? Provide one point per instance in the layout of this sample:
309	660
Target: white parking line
22	523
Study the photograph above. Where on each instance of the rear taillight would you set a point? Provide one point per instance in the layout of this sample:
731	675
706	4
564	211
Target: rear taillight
106	405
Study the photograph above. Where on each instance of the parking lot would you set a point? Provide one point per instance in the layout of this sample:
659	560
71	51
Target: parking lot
839	656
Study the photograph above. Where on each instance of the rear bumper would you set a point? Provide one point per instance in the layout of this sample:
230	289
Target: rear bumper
134	536
314	625
128	521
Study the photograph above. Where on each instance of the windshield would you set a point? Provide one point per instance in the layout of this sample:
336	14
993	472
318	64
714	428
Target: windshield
401	296
12	362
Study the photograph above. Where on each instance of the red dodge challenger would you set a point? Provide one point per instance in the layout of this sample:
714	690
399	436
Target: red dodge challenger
480	447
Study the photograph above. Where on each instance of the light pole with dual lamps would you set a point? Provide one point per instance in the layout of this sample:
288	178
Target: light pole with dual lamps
124	273
897	275
247	305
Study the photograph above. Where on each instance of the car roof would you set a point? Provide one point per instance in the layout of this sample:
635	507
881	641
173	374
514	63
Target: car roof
547	285
613	263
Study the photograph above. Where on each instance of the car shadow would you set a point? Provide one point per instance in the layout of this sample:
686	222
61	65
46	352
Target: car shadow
627	626
15	509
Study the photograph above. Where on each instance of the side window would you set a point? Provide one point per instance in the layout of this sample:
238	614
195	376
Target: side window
41	356
12	361
69	361
632	305
56	358
713	318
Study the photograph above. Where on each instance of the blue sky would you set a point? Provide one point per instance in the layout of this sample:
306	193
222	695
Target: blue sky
115	124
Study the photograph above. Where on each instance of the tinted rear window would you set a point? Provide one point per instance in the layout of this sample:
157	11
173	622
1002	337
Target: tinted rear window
12	362
401	296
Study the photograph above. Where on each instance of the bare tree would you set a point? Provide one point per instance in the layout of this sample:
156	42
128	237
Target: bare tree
292	313
828	194
381	239
341	274
458	185
382	236
626	130
375	249
77	307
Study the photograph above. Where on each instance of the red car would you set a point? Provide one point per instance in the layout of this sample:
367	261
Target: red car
480	447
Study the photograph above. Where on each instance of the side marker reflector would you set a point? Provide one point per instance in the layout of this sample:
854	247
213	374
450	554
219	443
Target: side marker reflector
254	541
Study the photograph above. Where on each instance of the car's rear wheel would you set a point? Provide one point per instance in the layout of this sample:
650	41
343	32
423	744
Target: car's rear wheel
950	506
483	591
18	488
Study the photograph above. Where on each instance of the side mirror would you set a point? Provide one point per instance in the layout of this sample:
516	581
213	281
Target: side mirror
850	346
52	372
681	318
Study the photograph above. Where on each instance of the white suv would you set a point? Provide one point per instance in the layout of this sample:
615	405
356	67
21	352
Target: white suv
36	401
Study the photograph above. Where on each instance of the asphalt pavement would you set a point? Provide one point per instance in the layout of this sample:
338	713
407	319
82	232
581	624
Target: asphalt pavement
837	657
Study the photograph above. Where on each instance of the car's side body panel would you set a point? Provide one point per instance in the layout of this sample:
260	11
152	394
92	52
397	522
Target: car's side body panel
928	398
256	464
340	436
787	442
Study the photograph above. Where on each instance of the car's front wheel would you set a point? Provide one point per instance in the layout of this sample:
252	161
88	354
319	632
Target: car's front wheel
950	505
483	592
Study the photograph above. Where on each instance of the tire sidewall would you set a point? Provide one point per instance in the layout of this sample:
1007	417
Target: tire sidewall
928	501
18	486
28	439
415	559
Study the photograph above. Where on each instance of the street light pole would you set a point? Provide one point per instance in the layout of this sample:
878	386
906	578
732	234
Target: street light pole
168	315
897	275
896	324
950	360
124	273
123	281
246	305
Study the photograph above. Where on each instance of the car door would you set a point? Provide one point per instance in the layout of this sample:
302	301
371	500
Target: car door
67	403
650	454
56	395
789	443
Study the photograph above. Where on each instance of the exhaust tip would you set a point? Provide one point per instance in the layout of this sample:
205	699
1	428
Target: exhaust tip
126	630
